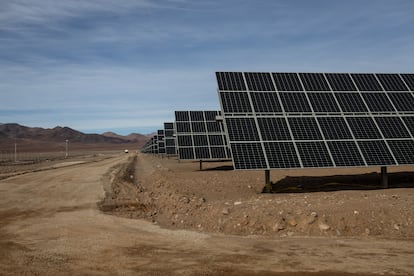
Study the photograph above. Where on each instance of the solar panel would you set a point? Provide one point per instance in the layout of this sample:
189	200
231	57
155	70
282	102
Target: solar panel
314	120
169	138
199	135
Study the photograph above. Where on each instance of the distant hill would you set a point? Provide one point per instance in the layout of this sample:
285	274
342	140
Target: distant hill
43	139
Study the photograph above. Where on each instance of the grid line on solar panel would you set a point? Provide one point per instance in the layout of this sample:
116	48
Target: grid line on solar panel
248	156
242	129
334	128
409	80
351	102
281	155
403	102
403	150
287	82
378	102
230	81
376	153
295	102
259	81
304	128
366	82
265	102
340	82
274	129
345	153
363	128
314	154
392	127
391	82
323	102
235	102
314	82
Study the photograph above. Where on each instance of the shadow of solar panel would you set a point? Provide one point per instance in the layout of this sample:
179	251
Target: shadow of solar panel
409	80
345	153
281	155
242	129
363	128
235	102
351	102
376	153
295	102
366	82
186	153
409	122
265	102
378	102
334	128
392	127
403	150
314	154
230	81
248	156
392	82
287	82
403	102
314	82
340	82
259	81
304	128
323	102
274	129
182	116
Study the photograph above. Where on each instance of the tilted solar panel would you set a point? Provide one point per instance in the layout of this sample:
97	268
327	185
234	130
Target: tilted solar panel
298	120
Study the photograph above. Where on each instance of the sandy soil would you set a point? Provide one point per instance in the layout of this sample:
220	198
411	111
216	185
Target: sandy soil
50	223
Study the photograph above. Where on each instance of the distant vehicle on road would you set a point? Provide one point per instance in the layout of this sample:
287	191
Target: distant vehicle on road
126	151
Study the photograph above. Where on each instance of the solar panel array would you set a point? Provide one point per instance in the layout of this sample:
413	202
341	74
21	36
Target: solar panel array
200	136
306	120
169	138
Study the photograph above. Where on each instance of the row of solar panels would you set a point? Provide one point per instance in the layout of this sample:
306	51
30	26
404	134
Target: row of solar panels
301	120
195	135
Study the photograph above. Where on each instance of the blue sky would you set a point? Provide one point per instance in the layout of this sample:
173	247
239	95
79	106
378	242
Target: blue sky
126	66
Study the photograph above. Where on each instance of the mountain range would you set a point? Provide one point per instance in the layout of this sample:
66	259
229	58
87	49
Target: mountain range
51	139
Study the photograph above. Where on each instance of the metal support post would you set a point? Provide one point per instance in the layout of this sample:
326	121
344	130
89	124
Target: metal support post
384	178
201	165
268	184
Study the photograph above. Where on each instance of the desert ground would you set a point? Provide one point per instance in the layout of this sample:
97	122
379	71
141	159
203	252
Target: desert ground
135	214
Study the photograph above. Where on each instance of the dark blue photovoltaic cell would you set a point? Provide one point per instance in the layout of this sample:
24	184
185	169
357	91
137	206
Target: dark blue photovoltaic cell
182	116
287	82
265	102
314	82
282	155
351	102
403	150
409	80
295	102
186	153
376	153
392	82
403	102
259	81
340	82
363	128
230	81
378	102
345	153
274	129
366	82
334	128
392	127
248	156
323	102
304	128
242	129
235	102
314	154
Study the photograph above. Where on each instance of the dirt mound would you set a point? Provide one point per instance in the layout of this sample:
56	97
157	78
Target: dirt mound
176	195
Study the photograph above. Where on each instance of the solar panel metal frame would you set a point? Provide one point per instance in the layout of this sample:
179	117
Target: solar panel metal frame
367	86
169	138
201	129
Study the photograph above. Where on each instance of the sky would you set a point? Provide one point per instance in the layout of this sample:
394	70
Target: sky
126	66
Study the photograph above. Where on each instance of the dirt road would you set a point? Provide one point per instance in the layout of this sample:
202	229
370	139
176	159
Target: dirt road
50	224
